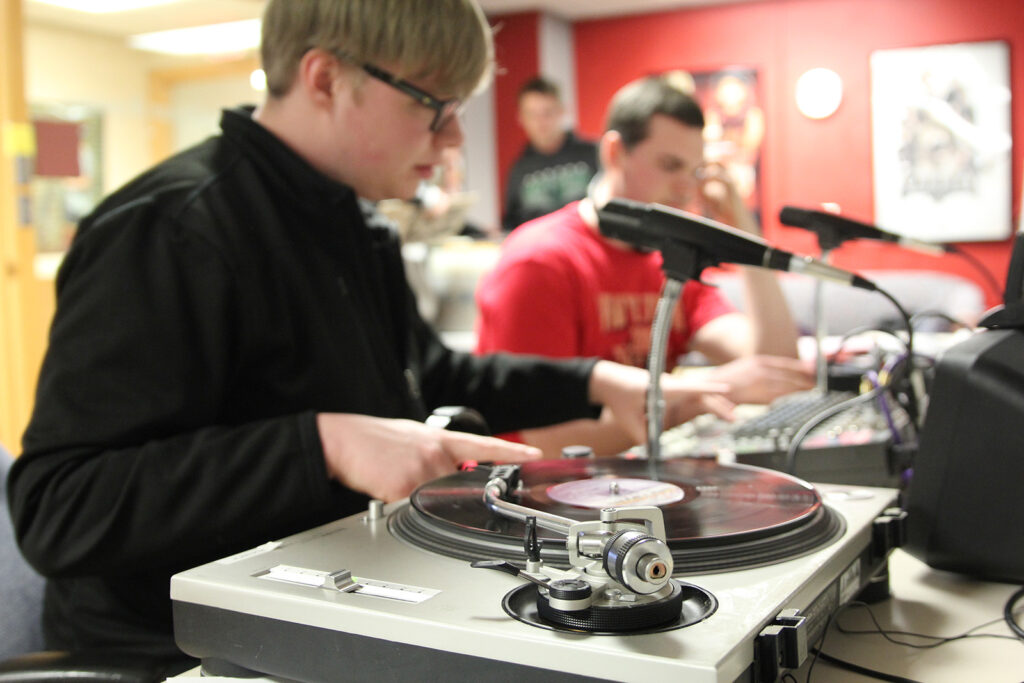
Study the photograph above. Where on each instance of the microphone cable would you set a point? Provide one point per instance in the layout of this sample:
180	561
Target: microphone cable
808	426
980	267
889	636
911	406
915	394
1011	621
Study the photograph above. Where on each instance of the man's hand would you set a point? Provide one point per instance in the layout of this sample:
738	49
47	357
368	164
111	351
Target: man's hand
722	199
622	390
388	458
762	379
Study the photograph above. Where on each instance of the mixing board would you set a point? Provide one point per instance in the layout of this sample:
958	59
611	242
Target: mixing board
850	447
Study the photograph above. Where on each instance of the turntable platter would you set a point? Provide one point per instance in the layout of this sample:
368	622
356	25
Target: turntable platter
717	517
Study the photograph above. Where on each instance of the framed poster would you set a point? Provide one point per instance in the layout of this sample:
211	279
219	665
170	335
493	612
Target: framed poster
67	179
734	129
941	141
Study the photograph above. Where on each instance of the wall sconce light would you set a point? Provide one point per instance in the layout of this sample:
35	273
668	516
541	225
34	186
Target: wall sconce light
818	93
258	80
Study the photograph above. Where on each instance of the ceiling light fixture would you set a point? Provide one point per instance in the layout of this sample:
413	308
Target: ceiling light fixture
104	6
213	39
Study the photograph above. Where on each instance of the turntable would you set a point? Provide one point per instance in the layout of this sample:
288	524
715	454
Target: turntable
701	572
623	570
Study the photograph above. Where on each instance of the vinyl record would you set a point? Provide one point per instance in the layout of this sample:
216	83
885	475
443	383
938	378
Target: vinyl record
717	516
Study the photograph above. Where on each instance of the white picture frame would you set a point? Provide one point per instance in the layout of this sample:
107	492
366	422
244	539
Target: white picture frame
941	141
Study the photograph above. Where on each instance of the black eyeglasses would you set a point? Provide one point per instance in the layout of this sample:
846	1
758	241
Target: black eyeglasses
444	110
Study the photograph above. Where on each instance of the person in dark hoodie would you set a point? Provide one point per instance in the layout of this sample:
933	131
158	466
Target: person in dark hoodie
554	167
236	355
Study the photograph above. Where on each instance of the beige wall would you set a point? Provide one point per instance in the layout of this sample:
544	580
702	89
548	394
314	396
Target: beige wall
195	105
66	67
69	67
75	68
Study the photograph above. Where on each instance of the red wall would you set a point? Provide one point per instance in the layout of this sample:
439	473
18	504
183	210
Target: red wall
517	51
804	162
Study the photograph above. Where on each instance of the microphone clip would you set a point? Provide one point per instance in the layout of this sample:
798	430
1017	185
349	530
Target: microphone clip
682	262
830	238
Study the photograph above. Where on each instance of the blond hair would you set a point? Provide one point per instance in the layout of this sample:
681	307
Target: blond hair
448	41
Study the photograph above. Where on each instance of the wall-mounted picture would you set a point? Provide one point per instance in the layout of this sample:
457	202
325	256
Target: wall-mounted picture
942	143
67	180
734	129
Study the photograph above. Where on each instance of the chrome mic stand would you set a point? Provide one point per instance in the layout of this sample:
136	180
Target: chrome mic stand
820	330
679	264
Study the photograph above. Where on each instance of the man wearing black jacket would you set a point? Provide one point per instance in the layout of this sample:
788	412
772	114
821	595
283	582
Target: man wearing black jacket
236	355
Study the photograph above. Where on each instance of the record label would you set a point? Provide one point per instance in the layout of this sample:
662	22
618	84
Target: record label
602	493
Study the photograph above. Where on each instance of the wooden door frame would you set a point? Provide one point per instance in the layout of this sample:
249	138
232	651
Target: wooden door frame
26	302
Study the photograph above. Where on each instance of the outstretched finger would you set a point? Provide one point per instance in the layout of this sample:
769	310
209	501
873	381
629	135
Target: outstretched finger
462	447
720	406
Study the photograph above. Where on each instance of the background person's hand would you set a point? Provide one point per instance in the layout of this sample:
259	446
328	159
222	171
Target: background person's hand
762	379
722	199
622	390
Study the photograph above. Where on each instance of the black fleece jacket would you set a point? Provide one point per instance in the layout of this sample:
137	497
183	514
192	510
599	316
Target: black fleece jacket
206	312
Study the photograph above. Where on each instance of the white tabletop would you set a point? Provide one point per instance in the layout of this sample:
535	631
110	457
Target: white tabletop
930	602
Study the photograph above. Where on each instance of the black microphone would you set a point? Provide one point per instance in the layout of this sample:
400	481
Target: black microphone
837	229
653	226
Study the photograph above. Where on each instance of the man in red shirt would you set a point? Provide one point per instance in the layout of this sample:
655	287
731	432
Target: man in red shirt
562	289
